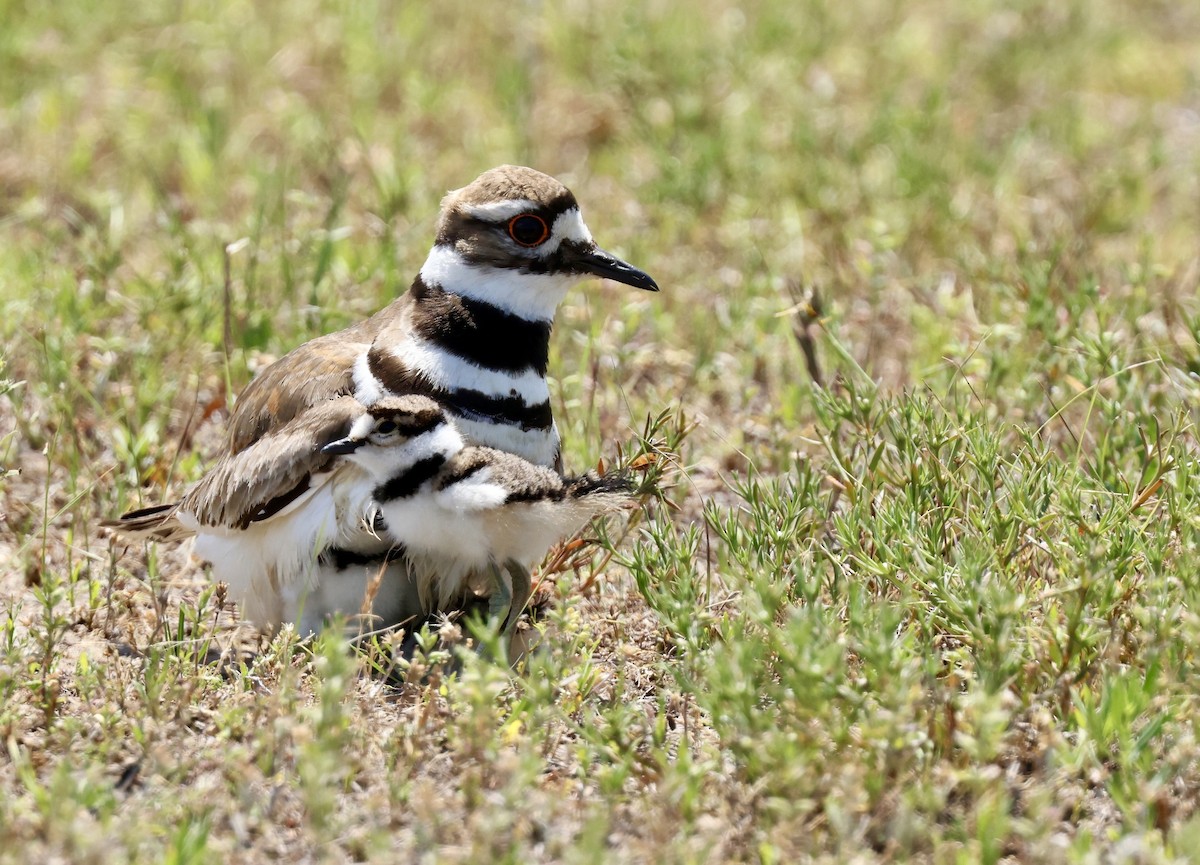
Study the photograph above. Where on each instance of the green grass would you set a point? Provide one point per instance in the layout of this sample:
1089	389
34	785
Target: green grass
942	609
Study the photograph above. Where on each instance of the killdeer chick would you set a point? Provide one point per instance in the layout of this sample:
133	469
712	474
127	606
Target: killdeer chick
265	516
461	510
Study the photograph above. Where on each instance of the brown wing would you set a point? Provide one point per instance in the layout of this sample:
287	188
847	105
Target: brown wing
318	370
272	472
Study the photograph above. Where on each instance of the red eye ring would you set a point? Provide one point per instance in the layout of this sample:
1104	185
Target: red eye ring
528	229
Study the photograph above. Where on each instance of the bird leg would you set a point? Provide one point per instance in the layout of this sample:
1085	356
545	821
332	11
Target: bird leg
510	595
500	603
522	588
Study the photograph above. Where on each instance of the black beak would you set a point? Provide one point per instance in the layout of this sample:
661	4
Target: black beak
593	259
341	446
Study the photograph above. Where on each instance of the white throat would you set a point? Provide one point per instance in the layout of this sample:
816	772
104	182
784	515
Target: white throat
532	296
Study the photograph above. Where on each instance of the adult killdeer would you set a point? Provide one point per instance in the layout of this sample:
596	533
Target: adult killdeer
265	516
463	511
473	331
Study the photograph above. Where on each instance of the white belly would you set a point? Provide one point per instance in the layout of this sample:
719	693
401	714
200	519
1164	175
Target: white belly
271	567
368	596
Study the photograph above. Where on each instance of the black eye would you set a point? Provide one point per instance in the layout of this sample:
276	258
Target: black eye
528	230
385	427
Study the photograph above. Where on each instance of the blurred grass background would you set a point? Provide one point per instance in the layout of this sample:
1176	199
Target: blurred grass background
999	204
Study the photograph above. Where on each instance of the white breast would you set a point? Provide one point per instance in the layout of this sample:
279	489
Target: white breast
540	447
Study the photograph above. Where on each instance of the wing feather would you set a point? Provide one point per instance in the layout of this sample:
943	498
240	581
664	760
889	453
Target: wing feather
274	472
155	523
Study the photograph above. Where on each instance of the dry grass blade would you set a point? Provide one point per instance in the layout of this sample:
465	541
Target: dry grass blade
804	313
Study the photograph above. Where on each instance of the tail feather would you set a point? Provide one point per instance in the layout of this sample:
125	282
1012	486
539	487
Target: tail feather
155	523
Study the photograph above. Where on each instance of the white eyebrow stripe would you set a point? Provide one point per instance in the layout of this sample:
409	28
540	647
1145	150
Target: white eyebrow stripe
569	225
499	211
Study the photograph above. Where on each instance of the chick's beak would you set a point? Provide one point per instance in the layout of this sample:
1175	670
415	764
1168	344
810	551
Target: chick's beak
341	446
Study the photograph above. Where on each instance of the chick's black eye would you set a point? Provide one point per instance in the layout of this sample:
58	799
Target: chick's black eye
385	427
528	230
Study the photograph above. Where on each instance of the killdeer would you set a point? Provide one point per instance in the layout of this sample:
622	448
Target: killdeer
265	516
460	511
473	331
